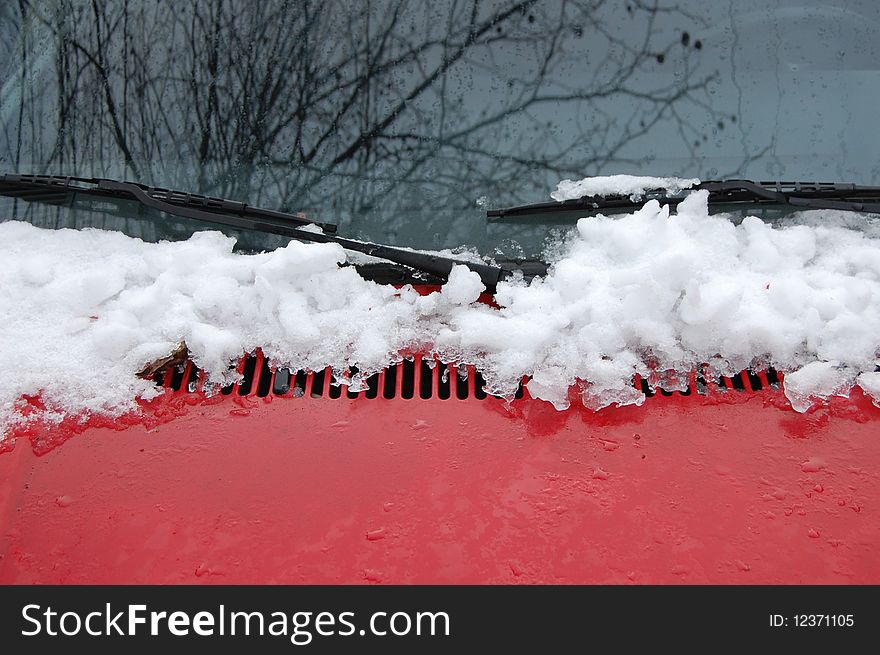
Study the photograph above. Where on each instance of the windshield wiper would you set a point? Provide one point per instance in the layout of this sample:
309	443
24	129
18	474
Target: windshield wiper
801	195
49	189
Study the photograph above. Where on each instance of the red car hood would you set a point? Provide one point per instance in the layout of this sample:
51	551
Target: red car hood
269	484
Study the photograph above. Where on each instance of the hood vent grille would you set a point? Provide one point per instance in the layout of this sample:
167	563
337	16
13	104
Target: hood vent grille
747	380
418	378
411	378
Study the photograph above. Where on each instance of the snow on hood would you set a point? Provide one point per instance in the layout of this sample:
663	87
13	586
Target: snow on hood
619	185
84	310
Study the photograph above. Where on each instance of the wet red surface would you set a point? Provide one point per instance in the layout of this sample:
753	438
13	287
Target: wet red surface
725	488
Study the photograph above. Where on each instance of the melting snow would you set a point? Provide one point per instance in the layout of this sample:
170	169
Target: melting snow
84	310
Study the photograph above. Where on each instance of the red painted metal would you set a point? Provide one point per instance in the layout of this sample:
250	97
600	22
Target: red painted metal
728	487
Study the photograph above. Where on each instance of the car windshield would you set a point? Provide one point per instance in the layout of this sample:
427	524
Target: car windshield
402	122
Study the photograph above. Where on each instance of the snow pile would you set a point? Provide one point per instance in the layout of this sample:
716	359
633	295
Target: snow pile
673	291
646	293
85	310
620	185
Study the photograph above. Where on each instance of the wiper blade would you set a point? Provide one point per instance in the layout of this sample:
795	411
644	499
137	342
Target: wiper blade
802	195
50	189
59	189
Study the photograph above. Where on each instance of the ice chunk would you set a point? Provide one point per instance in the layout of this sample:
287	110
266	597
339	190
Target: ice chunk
870	384
551	385
599	398
817	381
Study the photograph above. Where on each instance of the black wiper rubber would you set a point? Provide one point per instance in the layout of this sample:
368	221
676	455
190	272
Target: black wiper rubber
803	195
57	190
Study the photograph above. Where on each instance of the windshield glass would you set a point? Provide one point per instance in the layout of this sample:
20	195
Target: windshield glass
403	122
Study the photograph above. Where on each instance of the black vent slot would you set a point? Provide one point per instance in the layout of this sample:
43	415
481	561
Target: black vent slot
755	381
738	384
461	386
351	394
372	386
426	380
479	386
192	380
407	389
443	382
646	388
335	390
177	377
249	372
772	377
390	387
265	379
281	382
319	382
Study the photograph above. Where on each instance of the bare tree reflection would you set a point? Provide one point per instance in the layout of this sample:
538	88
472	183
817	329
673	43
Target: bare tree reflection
337	105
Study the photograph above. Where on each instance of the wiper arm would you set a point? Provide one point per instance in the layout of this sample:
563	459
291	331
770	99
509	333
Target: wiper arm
802	195
57	189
